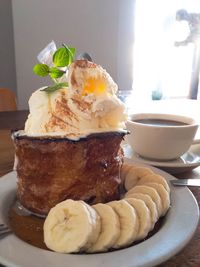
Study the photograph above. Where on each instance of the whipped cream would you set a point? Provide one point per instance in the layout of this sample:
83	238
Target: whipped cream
89	105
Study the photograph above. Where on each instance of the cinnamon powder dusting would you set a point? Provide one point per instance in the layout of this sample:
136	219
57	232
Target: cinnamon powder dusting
81	105
62	110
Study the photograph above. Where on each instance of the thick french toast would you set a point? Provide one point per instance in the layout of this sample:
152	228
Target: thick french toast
52	169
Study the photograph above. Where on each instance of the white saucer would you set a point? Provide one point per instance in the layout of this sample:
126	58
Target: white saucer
188	161
177	229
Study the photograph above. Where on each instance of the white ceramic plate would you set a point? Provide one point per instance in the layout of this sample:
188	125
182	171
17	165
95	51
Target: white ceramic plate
188	161
177	229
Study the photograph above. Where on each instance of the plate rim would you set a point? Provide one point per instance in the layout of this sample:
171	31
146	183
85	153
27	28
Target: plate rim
125	255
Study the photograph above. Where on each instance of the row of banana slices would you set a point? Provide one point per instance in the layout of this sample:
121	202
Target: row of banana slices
74	226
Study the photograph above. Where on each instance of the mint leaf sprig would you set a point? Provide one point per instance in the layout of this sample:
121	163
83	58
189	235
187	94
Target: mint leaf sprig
53	88
62	57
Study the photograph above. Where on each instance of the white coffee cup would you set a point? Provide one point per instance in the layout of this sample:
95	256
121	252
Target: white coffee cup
161	136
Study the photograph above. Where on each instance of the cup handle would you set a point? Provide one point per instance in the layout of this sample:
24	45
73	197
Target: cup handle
196	141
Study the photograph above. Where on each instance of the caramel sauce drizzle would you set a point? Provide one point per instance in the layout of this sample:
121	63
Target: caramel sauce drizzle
29	228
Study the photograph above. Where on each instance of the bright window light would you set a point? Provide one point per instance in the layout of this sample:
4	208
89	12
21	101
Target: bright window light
159	65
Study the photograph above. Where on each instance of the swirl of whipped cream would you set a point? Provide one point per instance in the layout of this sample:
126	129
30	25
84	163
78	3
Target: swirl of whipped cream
88	105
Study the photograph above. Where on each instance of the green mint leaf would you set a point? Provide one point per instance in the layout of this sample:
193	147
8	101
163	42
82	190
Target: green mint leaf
71	52
41	69
56	73
61	57
55	87
64	56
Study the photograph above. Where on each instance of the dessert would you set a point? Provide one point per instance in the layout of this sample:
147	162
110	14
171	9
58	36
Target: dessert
69	159
110	228
70	147
122	222
128	221
75	227
154	178
134	175
150	205
144	189
143	214
164	196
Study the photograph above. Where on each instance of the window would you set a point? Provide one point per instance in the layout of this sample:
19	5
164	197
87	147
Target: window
161	69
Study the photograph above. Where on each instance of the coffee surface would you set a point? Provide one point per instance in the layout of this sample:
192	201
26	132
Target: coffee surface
161	122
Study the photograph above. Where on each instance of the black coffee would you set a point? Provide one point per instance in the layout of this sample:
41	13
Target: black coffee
161	122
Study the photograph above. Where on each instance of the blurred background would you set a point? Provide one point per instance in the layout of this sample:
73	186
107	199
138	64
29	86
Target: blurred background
141	43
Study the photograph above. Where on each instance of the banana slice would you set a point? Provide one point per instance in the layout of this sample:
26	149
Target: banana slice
143	215
110	228
71	226
150	204
129	223
96	224
149	191
124	170
134	175
154	178
164	195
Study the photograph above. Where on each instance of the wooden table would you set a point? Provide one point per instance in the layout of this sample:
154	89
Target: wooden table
189	256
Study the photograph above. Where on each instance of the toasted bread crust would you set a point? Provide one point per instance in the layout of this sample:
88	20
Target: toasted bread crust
52	170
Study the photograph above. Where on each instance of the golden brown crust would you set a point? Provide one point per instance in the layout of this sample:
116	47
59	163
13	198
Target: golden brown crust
51	170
